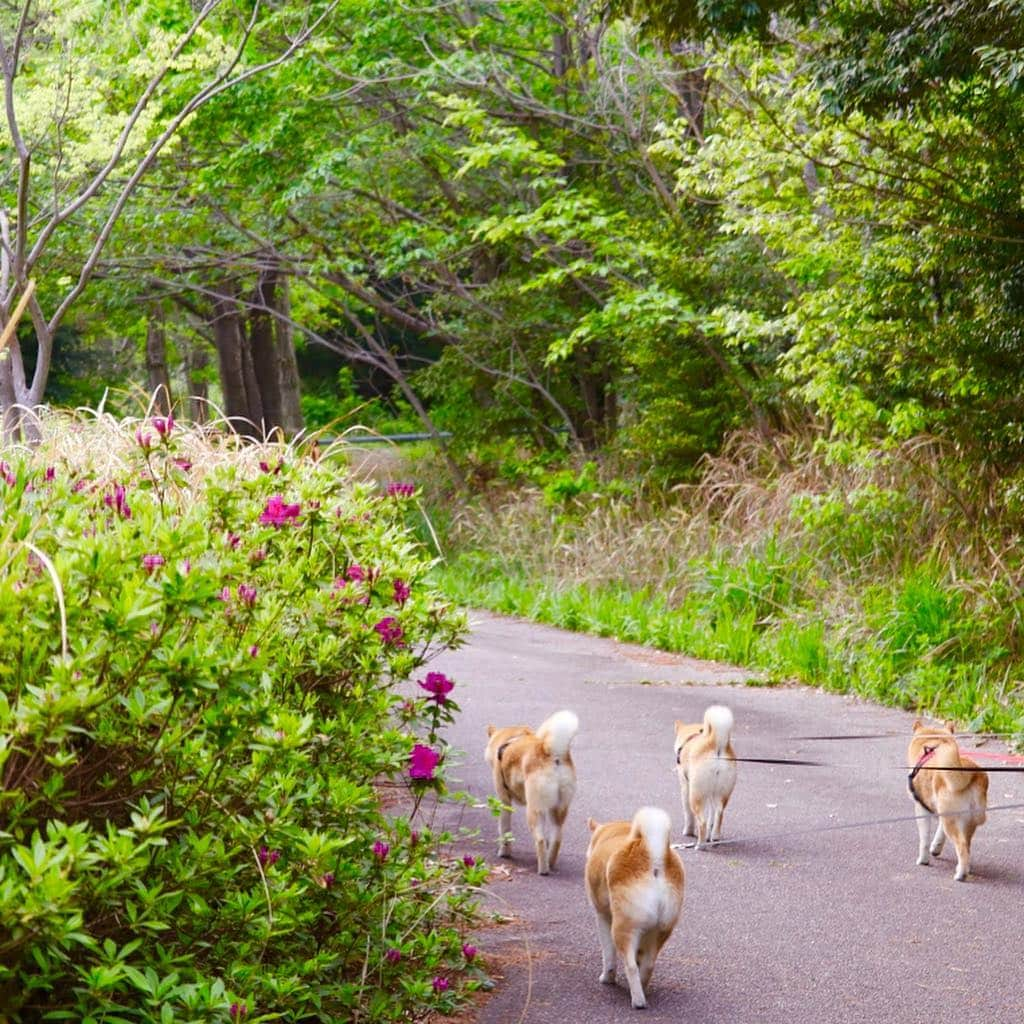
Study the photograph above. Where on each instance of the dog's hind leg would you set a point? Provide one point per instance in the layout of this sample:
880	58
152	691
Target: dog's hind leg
604	937
961	832
557	821
924	818
626	941
938	840
647	955
505	831
539	826
701	824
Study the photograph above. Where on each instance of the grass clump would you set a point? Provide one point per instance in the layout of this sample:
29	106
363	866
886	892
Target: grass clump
200	644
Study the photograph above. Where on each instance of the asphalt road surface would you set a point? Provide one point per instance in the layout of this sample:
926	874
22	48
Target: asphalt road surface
784	923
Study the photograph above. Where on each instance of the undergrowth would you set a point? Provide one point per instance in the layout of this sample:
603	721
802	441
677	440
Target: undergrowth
892	575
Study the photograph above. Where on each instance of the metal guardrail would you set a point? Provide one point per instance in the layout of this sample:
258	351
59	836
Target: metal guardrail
385	438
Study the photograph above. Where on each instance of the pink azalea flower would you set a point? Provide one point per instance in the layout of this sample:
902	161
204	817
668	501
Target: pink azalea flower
278	513
469	861
468	951
144	441
163	425
400	490
441	985
393	956
438	685
422	762
356	573
401	592
246	594
118	502
381	850
389	630
151	562
50	473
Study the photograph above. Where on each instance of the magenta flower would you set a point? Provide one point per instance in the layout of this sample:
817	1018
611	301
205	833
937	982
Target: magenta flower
392	956
422	762
381	850
470	862
400	490
254	651
233	540
278	513
151	562
356	573
468	951
238	1010
49	474
402	591
118	501
144	441
438	685
327	879
268	858
183	464
265	467
163	425
389	630
414	837
225	594
246	594
441	985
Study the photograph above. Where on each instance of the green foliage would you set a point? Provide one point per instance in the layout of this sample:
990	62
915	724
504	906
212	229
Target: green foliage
198	671
342	408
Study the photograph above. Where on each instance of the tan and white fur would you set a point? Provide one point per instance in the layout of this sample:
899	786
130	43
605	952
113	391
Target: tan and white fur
950	794
635	885
706	763
535	769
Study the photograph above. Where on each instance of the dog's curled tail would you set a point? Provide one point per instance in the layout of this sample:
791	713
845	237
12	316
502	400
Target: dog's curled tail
557	732
719	721
653	825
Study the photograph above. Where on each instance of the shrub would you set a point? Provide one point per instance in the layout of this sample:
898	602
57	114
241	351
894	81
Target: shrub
199	652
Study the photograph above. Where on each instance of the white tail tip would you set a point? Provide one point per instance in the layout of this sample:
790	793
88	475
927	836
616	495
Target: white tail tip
558	732
718	718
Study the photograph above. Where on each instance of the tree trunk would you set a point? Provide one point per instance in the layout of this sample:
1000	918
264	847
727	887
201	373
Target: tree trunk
156	362
231	349
196	361
263	346
291	407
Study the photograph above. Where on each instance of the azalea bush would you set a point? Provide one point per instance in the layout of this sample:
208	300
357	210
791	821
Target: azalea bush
200	648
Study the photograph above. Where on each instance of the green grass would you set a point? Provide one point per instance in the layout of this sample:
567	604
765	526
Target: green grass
914	644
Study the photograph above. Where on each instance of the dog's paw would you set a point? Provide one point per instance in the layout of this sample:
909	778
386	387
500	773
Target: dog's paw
935	849
607	977
961	876
639	1004
922	859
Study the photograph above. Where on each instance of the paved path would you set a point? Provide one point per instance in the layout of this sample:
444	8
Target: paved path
778	927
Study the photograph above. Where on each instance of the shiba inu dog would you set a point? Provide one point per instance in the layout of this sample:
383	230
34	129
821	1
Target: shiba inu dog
950	794
635	885
535	769
706	764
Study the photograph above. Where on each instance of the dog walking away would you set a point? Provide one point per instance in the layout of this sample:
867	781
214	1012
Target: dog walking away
535	769
950	794
706	764
635	885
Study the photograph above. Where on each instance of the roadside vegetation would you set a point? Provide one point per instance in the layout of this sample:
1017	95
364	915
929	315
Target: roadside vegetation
216	793
881	575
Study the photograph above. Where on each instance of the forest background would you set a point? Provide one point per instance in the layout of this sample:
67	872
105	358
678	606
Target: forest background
713	310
